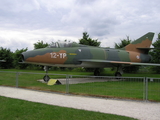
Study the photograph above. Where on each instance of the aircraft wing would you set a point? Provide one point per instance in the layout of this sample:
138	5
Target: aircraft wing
118	62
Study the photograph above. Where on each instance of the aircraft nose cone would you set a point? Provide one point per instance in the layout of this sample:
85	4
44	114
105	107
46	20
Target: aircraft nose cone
25	55
22	57
34	53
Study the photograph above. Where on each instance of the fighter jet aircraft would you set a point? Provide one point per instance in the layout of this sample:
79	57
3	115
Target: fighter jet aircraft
77	55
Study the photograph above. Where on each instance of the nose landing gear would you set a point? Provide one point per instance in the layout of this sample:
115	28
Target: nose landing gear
46	77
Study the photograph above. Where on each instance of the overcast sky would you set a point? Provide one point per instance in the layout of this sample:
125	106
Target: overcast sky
24	22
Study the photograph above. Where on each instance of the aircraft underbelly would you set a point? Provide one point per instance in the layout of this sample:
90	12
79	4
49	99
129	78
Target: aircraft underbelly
83	64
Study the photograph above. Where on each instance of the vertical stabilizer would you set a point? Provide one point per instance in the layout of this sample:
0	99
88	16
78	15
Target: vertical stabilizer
141	45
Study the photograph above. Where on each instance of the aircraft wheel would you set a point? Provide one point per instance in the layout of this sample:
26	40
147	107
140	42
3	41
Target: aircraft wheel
118	74
96	72
46	78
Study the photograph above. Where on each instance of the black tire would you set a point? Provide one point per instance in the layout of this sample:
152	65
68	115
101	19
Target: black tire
46	78
97	72
118	74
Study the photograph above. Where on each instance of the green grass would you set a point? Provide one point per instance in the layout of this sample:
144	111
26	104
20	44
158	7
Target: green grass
13	109
142	75
50	71
126	89
113	89
107	72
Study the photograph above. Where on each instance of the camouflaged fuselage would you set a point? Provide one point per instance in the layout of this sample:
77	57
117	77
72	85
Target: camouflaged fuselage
76	55
71	57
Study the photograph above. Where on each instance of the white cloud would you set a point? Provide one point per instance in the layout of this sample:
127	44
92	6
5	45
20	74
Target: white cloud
26	38
19	5
53	5
32	20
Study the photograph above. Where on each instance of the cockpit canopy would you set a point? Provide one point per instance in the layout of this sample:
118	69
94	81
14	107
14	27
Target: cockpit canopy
65	44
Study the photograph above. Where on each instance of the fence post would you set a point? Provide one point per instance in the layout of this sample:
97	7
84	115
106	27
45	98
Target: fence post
67	84
17	79
146	88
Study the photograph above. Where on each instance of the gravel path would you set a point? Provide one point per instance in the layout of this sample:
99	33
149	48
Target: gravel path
139	110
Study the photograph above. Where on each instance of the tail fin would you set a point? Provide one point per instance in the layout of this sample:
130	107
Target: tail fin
141	45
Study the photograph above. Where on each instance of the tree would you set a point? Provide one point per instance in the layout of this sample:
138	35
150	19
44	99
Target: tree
7	55
40	44
123	43
18	58
86	40
155	53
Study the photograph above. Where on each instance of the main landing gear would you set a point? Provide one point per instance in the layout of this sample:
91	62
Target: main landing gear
118	73
97	72
46	77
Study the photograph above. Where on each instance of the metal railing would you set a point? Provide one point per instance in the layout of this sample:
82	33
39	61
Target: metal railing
135	88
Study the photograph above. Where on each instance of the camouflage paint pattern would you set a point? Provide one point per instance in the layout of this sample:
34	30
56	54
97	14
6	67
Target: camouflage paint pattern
76	55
